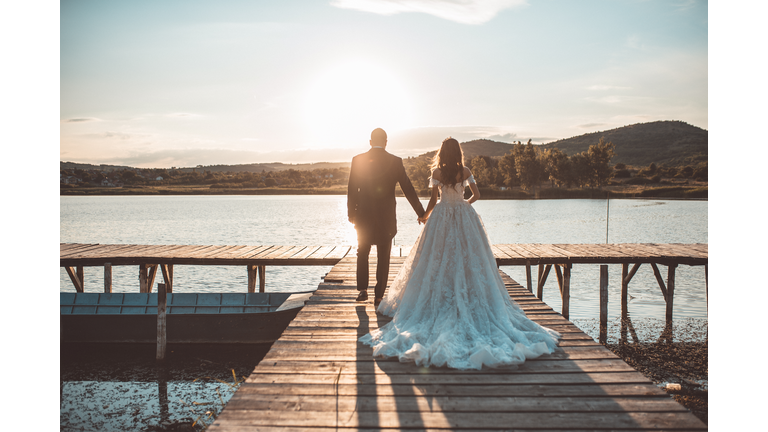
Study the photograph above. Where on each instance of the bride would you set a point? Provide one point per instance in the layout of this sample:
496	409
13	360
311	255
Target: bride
448	303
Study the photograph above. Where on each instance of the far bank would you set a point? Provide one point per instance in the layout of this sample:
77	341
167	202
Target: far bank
698	191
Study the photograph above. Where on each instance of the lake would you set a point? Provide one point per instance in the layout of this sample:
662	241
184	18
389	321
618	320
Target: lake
321	220
123	388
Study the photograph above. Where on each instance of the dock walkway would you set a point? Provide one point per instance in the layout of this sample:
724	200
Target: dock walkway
73	257
317	377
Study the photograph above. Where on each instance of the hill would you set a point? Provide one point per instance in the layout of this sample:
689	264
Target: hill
474	148
254	167
672	143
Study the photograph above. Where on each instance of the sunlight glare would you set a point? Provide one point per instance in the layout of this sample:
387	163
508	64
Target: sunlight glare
349	100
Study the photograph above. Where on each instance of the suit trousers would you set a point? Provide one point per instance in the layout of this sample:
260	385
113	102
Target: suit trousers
383	251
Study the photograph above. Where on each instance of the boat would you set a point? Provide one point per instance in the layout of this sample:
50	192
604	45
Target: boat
190	317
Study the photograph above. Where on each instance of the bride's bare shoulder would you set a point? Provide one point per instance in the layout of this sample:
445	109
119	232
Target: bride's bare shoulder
436	175
467	173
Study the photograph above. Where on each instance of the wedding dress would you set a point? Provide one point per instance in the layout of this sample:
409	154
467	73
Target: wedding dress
448	302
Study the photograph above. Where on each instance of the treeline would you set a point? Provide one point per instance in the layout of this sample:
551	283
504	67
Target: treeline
230	180
528	166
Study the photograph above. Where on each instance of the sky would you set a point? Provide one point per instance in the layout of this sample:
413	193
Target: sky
186	83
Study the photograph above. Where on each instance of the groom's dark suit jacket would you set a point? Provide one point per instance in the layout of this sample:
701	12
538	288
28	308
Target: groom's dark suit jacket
371	194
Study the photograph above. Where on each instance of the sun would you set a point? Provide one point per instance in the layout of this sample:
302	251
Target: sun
347	101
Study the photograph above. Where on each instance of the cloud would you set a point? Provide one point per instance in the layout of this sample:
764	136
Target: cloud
601	87
81	120
507	137
590	125
461	11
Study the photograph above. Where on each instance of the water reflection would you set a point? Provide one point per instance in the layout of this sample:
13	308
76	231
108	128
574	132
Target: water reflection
122	387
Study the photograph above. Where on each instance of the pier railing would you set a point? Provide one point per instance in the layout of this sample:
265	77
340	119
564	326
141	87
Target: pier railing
150	258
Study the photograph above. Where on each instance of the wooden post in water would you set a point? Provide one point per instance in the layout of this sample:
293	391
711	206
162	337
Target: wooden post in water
143	278
670	291
528	275
107	277
167	270
161	324
252	276
566	289
603	303
262	281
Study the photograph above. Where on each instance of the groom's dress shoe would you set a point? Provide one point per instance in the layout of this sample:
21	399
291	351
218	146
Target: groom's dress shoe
363	296
376	302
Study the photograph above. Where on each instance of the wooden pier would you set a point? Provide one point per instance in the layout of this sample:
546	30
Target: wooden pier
148	258
318	377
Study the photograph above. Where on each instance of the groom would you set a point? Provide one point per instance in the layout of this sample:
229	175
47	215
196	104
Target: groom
371	207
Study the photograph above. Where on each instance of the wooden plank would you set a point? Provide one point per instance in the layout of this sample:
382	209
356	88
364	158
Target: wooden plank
73	250
275	252
309	250
340	252
455	420
318	376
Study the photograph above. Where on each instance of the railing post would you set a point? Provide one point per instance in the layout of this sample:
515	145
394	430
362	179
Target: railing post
262	281
528	275
107	277
161	324
670	290
603	303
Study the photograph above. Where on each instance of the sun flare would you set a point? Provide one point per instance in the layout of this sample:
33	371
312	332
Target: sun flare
349	100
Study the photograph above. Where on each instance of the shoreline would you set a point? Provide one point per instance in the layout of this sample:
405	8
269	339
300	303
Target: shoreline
692	193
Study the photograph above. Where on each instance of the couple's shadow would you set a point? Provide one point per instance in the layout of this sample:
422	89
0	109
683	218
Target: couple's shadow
402	388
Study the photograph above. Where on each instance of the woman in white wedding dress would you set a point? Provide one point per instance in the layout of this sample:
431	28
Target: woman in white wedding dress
448	302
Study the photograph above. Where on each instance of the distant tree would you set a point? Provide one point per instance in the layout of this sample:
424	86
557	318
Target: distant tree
686	171
507	170
418	171
556	166
599	156
580	170
528	164
481	171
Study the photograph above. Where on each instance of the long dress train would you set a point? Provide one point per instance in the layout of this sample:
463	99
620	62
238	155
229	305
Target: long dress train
448	302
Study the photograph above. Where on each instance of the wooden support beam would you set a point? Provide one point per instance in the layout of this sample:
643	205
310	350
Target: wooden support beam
161	323
77	278
624	289
566	290
543	273
559	279
670	292
151	277
660	281
626	276
252	276
107	277
528	275
167	270
143	278
603	303
706	283
262	280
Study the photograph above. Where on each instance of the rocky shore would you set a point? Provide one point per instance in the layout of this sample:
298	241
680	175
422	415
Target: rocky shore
665	355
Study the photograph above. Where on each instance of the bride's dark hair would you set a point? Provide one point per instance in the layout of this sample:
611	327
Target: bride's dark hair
450	160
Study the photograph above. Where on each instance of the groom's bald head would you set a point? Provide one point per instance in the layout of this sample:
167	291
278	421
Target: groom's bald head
378	138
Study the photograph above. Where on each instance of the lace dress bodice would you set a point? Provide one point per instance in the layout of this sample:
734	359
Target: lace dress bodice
451	194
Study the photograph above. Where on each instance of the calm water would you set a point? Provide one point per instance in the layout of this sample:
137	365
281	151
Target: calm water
321	220
123	388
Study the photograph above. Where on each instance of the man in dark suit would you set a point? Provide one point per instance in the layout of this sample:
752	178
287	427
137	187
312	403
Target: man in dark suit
371	207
